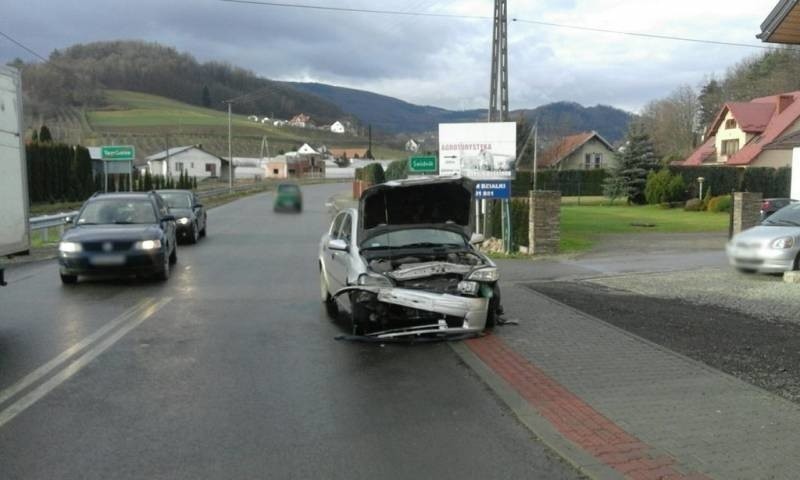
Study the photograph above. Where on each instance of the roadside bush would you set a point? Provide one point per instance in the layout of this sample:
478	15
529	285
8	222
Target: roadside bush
397	170
694	205
664	187
720	204
372	174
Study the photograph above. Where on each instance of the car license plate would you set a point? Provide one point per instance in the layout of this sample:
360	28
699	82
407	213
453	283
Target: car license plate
107	260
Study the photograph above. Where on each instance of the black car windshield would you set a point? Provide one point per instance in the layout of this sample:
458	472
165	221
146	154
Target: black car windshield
788	215
118	211
418	237
177	199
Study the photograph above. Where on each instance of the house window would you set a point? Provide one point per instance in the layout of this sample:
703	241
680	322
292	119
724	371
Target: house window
179	166
730	123
587	161
274	171
729	147
598	160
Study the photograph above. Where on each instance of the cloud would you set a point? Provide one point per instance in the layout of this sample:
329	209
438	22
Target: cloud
435	61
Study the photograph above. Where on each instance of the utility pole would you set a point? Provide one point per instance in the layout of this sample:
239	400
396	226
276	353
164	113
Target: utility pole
230	146
498	95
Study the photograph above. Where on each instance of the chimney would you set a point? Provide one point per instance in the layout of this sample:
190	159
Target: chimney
784	101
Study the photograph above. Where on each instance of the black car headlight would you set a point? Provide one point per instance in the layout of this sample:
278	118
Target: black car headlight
147	245
69	247
184	221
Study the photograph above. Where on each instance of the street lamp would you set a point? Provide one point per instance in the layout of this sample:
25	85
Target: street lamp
700	180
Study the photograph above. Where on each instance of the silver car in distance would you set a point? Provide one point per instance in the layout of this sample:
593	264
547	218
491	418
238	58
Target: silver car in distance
771	247
404	263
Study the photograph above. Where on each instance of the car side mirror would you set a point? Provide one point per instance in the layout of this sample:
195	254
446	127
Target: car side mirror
338	245
477	239
168	218
198	205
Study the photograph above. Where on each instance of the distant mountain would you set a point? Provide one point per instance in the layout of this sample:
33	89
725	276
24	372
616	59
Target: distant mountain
393	115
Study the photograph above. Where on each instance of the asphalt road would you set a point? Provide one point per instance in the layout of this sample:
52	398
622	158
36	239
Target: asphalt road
230	370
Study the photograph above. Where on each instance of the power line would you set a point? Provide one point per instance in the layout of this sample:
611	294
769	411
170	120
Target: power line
484	17
359	10
644	35
22	46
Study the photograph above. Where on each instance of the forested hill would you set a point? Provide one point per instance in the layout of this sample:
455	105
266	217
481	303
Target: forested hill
78	75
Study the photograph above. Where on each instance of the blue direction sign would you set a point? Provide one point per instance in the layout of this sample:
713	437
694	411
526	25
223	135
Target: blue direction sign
496	190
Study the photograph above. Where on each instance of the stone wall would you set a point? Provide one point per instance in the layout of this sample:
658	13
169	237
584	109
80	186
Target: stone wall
746	210
544	235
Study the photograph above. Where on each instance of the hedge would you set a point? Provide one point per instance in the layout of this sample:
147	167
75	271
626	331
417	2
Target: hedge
519	221
372	173
770	182
59	172
570	183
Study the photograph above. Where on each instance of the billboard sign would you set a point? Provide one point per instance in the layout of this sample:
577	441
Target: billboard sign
495	190
481	151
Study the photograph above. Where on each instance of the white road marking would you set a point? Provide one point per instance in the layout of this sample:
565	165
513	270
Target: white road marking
45	369
129	320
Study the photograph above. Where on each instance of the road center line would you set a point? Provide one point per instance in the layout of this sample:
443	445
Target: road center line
45	369
129	320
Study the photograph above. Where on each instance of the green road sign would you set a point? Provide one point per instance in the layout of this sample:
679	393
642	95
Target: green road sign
118	152
423	164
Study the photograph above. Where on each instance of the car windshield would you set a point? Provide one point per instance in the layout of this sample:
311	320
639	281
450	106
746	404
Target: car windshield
177	199
418	237
288	189
118	211
788	215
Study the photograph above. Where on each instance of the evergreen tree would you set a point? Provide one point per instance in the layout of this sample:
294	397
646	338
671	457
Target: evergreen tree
148	181
35	136
711	99
195	183
614	185
637	160
206	97
44	134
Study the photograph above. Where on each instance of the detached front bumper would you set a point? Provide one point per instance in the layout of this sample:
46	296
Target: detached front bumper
471	312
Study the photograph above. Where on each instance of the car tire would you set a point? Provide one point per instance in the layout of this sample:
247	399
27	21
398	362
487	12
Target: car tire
359	319
491	315
164	272
173	257
205	226
745	271
69	279
328	301
194	234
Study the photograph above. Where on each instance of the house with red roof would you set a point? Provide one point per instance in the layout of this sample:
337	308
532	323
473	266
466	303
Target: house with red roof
758	133
583	151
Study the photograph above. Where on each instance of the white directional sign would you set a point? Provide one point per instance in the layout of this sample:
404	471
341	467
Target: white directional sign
482	151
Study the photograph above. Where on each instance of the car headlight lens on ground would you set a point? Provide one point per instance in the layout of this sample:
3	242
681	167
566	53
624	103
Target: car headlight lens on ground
69	247
148	245
783	243
183	221
368	280
488	274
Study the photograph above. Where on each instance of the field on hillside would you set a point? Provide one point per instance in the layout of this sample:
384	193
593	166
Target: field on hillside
151	123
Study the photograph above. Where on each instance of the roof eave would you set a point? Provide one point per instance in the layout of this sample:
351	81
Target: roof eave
775	19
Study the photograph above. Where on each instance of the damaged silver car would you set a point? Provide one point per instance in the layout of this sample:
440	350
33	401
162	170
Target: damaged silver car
405	264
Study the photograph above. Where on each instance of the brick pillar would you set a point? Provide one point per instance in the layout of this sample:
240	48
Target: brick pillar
746	210
544	217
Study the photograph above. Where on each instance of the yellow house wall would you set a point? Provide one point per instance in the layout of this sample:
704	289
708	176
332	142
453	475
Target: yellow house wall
729	134
576	160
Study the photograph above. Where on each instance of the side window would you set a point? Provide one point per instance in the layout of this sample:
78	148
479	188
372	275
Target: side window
161	206
347	229
337	223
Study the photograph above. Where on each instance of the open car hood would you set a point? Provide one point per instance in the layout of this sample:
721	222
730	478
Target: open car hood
444	203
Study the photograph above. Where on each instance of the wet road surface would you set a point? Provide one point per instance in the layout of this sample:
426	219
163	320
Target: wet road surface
231	370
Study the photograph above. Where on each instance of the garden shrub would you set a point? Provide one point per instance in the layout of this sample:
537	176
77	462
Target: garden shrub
693	205
720	204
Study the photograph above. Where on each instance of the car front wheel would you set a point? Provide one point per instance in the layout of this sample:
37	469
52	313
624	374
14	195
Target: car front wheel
163	274
330	303
69	279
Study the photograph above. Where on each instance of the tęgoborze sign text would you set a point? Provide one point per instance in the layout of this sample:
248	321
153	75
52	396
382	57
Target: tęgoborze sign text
482	151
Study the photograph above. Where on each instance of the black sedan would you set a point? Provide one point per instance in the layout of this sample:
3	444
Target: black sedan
189	213
119	234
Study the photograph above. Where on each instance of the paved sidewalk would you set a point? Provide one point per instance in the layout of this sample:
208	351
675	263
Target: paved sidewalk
649	412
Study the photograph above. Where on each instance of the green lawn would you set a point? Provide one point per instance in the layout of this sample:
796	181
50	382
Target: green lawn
581	226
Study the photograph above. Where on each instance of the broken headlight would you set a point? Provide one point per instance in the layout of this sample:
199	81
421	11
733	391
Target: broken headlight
488	274
370	280
468	288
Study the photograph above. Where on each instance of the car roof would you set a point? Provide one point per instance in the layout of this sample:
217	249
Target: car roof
172	190
122	195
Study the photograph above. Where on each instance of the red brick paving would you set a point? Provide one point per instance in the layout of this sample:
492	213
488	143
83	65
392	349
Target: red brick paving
575	419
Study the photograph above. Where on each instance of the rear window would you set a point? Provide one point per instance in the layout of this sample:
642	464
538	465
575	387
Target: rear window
288	189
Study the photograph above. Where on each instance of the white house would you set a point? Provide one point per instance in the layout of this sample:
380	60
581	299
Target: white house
253	118
265	120
337	127
307	150
412	146
191	159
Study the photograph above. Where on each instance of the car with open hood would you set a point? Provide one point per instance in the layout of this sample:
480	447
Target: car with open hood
405	262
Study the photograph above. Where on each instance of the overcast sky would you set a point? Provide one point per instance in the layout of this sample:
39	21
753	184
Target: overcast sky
434	61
